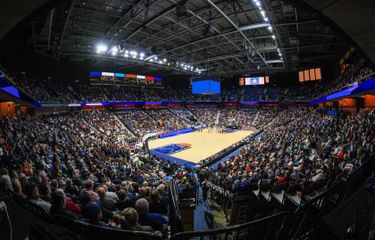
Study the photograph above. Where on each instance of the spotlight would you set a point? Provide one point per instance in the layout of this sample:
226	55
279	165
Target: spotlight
114	51
273	36
266	19
263	13
100	48
269	28
133	53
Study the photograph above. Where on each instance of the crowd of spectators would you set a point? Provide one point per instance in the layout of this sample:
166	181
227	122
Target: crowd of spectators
167	119
185	115
48	90
77	165
86	165
139	122
299	148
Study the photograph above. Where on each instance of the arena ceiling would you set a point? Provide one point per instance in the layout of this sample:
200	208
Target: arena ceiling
215	36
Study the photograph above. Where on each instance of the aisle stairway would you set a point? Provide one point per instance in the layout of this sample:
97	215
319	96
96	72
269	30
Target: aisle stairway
124	126
200	223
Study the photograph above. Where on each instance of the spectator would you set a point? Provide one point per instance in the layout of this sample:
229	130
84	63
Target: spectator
131	216
58	207
32	194
155	220
93	214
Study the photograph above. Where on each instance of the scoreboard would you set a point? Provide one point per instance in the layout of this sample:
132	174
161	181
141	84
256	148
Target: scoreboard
124	78
254	81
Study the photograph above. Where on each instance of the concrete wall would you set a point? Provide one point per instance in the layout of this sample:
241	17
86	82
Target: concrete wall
354	17
14	11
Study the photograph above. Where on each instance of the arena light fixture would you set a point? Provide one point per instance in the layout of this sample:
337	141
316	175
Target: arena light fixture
101	48
263	12
114	50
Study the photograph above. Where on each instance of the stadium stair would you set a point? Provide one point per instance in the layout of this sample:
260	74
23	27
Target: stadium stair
150	116
191	112
217	119
200	223
125	126
178	117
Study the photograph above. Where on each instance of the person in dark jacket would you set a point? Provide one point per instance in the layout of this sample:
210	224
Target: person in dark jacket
155	220
58	207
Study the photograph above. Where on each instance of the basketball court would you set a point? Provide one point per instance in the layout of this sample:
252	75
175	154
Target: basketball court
198	145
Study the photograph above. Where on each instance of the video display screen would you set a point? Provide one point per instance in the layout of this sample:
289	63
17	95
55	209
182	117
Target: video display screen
206	87
253	81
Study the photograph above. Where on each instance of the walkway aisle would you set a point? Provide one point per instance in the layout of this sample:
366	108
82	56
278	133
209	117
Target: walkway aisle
199	220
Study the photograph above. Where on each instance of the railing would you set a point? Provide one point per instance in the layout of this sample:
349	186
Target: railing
174	209
358	176
306	219
103	233
270	228
309	215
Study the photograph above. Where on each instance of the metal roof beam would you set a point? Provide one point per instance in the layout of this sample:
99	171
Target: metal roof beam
236	27
203	39
155	18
